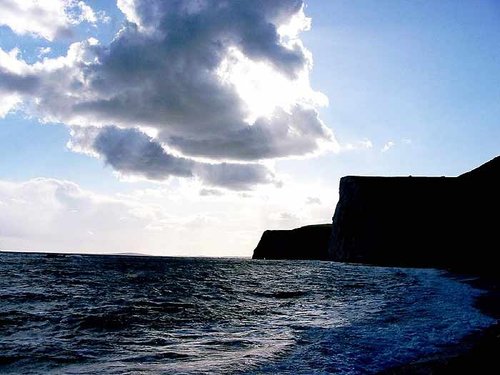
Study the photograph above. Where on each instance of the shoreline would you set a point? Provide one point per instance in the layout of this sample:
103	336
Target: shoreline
477	350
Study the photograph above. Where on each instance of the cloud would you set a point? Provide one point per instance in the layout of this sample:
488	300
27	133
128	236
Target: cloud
210	192
364	144
130	151
43	208
234	176
285	134
313	200
225	81
53	215
45	19
388	146
8	103
42	51
45	214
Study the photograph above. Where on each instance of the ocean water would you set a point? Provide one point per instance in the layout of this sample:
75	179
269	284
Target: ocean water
123	314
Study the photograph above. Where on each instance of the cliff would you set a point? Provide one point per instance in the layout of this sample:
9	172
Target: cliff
449	222
445	222
310	242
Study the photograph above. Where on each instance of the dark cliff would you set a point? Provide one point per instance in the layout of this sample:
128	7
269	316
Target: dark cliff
449	222
310	242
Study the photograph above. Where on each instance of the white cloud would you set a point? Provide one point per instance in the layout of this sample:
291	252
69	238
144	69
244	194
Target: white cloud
11	65
218	81
364	144
42	51
129	9
388	146
47	19
53	215
8	103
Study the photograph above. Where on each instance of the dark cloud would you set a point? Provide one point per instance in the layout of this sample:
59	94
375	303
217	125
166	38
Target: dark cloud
17	83
285	134
167	79
132	152
234	176
204	29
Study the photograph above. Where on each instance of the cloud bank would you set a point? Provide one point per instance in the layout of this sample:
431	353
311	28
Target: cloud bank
45	214
226	82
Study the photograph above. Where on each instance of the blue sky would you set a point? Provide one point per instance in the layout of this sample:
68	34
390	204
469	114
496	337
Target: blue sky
425	71
413	88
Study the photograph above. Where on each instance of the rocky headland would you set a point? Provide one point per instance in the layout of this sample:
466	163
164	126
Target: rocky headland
309	242
443	222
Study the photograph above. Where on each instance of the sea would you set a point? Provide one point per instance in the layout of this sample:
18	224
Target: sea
86	314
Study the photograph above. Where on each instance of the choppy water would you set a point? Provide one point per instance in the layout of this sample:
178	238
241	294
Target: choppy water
120	314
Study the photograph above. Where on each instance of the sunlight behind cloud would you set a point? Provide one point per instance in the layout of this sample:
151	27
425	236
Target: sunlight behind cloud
210	102
263	89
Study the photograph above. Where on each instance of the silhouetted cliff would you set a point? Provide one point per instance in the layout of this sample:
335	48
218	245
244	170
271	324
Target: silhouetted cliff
310	242
450	222
446	222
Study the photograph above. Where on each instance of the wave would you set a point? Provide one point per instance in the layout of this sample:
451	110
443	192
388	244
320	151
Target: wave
282	294
174	315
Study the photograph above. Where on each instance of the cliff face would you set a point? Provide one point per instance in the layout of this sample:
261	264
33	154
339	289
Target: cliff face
310	242
450	222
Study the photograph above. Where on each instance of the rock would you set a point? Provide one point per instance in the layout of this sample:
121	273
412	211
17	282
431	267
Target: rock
309	242
447	222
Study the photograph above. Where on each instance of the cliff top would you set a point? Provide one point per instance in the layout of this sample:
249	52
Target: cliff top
488	170
306	227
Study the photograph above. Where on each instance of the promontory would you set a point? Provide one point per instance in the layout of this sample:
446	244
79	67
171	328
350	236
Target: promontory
446	222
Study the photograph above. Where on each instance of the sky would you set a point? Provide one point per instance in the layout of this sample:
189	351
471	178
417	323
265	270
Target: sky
187	128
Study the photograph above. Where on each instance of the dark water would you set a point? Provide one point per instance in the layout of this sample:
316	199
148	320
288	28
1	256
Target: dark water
117	314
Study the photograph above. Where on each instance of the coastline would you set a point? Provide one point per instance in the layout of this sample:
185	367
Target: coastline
478	350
